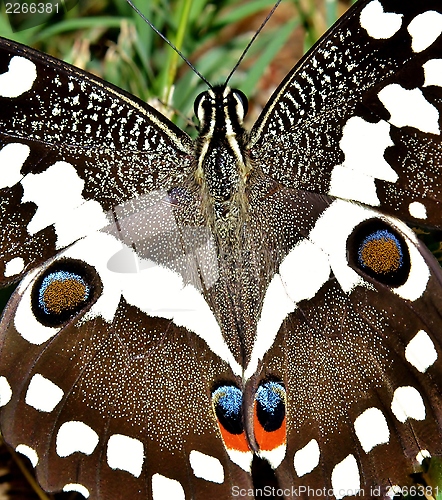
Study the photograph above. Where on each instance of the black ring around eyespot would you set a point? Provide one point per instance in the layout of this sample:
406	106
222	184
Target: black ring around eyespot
378	250
65	289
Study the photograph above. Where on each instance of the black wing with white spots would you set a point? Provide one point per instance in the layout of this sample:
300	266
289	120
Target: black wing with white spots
359	117
73	148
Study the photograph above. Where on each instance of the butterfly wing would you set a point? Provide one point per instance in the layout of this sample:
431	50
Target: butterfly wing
359	117
319	293
73	148
358	351
97	403
357	346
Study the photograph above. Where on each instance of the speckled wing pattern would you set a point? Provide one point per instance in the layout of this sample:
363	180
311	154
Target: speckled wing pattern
82	162
142	356
108	147
358	118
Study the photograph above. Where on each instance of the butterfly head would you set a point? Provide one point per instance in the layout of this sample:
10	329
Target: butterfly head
221	108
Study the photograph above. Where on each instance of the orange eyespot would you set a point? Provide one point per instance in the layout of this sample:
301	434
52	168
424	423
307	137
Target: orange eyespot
381	252
62	291
378	250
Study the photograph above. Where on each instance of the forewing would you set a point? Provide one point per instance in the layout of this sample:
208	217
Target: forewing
72	148
359	117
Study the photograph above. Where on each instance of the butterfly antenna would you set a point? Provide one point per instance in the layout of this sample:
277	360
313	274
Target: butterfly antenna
183	57
269	15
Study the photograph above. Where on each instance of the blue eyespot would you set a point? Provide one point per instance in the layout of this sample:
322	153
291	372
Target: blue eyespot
63	291
380	252
270	400
227	403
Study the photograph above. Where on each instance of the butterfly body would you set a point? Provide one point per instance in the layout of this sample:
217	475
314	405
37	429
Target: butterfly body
201	319
223	165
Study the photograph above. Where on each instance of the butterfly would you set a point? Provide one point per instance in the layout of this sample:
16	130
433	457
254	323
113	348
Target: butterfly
243	315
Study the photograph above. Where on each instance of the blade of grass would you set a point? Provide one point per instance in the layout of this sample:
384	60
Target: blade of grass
267	54
183	16
242	11
331	12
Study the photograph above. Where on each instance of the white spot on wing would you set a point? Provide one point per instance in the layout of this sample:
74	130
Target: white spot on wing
125	453
43	394
5	391
164	488
57	194
353	185
201	321
156	290
12	157
206	467
301	274
377	23
422	455
419	275
332	238
364	145
26	323
276	306
84	219
274	457
417	210
420	351
19	78
14	266
79	488
409	108
241	458
75	436
29	452
433	72
307	458
345	478
371	429
425	29
407	403
304	270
